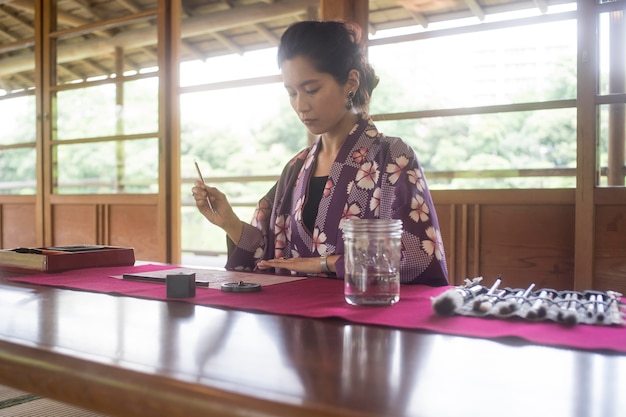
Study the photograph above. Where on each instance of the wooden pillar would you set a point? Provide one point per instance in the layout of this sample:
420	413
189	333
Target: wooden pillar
169	223
46	79
120	154
617	84
39	80
356	11
586	169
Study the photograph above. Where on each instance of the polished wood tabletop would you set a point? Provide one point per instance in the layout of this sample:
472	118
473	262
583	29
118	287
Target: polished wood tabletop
126	356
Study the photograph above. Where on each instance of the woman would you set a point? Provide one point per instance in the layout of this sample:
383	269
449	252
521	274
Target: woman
351	171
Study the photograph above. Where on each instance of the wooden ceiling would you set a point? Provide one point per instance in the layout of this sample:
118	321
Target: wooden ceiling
92	33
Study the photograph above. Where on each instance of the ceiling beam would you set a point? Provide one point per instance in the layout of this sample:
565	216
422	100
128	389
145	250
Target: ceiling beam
25	82
267	34
11	14
8	35
186	48
17	45
419	18
29	7
71	73
138	38
232	46
130	5
63	18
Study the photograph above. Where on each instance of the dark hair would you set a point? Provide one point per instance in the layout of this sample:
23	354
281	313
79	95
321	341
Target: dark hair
334	48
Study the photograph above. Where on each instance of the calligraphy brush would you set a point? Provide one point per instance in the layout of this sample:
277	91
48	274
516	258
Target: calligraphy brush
538	310
568	315
485	302
450	301
208	199
509	306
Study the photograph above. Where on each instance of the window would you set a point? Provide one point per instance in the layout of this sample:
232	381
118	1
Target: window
484	109
104	127
18	114
612	89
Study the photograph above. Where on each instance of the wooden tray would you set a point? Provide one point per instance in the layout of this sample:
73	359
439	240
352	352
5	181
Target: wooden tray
63	258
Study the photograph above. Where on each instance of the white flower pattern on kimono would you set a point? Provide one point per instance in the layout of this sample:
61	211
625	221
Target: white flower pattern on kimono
359	155
375	202
299	207
420	210
281	228
350	211
261	213
371	130
396	168
434	246
416	177
283	235
367	175
319	241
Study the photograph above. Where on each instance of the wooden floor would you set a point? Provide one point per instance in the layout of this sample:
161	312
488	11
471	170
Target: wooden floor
14	403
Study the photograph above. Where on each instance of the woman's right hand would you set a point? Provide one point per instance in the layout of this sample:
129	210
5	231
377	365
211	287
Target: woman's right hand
222	214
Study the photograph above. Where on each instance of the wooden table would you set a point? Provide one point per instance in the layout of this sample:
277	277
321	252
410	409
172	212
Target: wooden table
133	357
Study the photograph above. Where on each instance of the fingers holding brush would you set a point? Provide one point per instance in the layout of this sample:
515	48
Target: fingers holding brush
211	202
214	205
208	199
202	196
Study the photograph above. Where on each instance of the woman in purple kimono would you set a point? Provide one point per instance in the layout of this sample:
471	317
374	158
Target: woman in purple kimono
351	171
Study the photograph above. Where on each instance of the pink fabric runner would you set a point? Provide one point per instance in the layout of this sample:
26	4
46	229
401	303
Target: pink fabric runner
323	298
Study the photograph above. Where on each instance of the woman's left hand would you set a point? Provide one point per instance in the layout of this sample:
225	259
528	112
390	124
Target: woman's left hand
300	265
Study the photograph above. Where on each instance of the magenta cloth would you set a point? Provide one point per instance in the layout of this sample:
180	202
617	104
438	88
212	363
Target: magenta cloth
323	298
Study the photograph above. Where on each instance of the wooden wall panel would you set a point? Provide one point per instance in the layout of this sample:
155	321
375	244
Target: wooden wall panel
610	248
135	226
528	244
446	226
471	237
458	224
74	224
18	222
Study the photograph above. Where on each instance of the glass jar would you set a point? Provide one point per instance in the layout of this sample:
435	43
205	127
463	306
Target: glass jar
372	261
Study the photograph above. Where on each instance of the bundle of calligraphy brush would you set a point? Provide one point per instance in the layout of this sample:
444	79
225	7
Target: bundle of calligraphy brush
565	307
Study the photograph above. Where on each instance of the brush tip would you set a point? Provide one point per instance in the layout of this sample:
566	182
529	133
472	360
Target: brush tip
542	312
568	318
447	303
506	308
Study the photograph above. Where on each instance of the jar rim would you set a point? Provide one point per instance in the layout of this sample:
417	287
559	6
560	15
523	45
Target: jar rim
388	225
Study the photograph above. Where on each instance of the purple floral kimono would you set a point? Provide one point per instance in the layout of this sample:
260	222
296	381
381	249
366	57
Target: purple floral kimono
374	176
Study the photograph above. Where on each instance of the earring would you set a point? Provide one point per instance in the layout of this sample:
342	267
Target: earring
349	102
